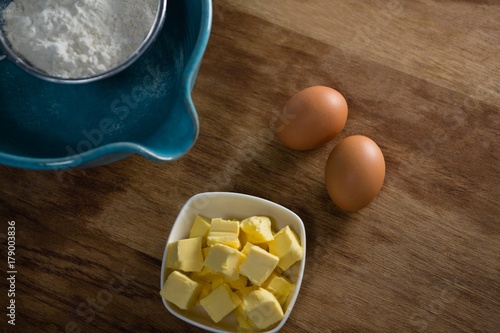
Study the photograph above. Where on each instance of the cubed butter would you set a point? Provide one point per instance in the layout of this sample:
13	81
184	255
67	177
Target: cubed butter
200	227
264	246
205	274
223	279
241	312
185	255
220	302
286	246
224	232
248	245
217	281
257	229
279	286
262	308
258	265
224	259
245	291
180	290
219	224
242	237
237	284
244	324
205	252
206	288
246	248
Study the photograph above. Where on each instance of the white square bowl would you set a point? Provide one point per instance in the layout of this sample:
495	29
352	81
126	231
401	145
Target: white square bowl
228	205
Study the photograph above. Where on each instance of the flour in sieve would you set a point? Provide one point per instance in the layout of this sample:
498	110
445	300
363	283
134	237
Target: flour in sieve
77	38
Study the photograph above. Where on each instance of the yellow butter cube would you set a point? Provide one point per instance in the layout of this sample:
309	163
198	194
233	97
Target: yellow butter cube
206	288
224	232
245	291
241	312
258	265
217	281
205	252
180	290
225	260
200	228
262	308
264	246
205	274
218	224
185	255
286	246
279	286
248	245
246	248
220	302
237	284
242	237
244	324
257	229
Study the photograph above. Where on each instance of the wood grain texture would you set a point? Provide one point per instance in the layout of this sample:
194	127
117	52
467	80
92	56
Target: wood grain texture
421	78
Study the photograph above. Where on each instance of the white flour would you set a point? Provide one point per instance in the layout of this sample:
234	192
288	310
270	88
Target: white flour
77	38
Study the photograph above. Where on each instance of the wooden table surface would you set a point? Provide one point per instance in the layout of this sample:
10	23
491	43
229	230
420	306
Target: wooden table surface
421	78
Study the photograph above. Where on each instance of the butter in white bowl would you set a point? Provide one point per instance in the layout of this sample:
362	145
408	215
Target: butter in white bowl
252	270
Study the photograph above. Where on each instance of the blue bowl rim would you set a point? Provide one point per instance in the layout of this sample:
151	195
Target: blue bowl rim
128	148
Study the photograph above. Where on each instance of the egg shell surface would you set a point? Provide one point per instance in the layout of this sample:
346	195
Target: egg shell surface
355	172
311	118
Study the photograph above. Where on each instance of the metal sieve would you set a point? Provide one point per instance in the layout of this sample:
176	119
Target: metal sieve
7	52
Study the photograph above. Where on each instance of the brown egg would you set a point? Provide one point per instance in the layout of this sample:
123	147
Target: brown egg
311	118
355	172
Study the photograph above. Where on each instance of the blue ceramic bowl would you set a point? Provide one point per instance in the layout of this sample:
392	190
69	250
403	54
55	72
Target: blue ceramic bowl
146	109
